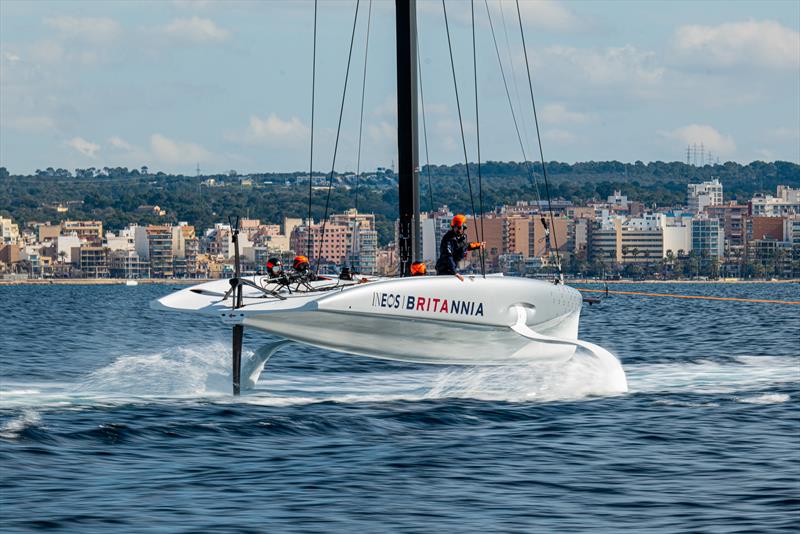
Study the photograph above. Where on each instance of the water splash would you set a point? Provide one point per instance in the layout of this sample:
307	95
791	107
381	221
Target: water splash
203	372
177	372
13	428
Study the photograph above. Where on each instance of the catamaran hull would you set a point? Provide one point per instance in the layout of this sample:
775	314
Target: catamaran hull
418	341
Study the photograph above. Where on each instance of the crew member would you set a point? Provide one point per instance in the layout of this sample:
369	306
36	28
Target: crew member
454	247
274	267
276	273
418	268
302	269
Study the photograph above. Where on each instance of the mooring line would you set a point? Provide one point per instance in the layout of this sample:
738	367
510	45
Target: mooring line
702	297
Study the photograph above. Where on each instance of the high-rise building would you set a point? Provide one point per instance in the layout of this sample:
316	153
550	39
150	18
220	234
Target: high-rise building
350	239
9	232
160	251
704	194
708	237
94	261
786	202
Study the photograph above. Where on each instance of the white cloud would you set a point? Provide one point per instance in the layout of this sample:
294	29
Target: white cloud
711	139
785	134
547	14
87	148
752	43
11	57
120	144
624	65
272	131
176	152
31	124
196	30
98	30
558	114
47	52
539	14
383	132
558	136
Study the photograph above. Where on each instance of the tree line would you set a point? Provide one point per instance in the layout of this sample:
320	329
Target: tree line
114	195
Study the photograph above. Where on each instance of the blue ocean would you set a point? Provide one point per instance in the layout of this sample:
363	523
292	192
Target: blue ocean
118	418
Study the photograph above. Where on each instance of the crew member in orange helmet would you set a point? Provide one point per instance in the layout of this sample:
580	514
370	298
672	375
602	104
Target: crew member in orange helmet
418	268
302	269
454	247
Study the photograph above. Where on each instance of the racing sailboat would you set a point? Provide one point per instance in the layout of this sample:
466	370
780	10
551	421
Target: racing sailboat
480	320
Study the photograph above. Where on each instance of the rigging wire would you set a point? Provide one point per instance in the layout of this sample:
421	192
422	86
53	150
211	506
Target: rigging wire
513	70
338	132
425	135
531	174
309	241
461	122
363	92
360	130
539	138
478	133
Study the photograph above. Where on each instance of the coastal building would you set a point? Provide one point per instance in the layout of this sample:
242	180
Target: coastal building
786	202
128	264
87	230
8	230
160	251
93	261
732	216
350	239
65	245
704	194
708	237
47	232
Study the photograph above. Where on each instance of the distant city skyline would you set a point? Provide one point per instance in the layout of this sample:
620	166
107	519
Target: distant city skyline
226	85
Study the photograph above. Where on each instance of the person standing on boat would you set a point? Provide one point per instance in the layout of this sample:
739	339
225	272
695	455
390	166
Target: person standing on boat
454	247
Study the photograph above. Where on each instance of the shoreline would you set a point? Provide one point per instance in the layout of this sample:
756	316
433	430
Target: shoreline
100	281
193	281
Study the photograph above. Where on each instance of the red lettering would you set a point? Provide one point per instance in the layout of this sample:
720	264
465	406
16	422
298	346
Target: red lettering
444	306
435	303
420	303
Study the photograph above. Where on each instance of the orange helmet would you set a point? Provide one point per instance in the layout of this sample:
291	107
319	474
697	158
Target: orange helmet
300	263
418	268
459	220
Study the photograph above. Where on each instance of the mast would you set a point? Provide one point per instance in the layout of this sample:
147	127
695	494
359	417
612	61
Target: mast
409	243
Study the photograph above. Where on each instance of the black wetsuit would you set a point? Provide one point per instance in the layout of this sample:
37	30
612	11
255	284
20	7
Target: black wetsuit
452	250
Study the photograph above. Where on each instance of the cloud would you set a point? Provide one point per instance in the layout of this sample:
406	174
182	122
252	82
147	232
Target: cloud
538	14
196	30
175	152
272	131
558	136
11	57
97	30
383	132
547	15
624	65
120	144
47	52
785	134
751	43
558	114
31	124
87	148
711	139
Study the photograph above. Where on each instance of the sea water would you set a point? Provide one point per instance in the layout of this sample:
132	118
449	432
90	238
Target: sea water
118	418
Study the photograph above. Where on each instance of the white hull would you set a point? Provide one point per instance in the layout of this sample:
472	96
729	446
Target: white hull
431	320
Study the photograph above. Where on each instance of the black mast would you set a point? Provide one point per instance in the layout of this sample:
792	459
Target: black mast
409	245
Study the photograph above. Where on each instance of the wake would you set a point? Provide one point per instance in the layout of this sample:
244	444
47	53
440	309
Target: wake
202	373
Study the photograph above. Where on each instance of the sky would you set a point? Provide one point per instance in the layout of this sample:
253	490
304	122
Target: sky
226	85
